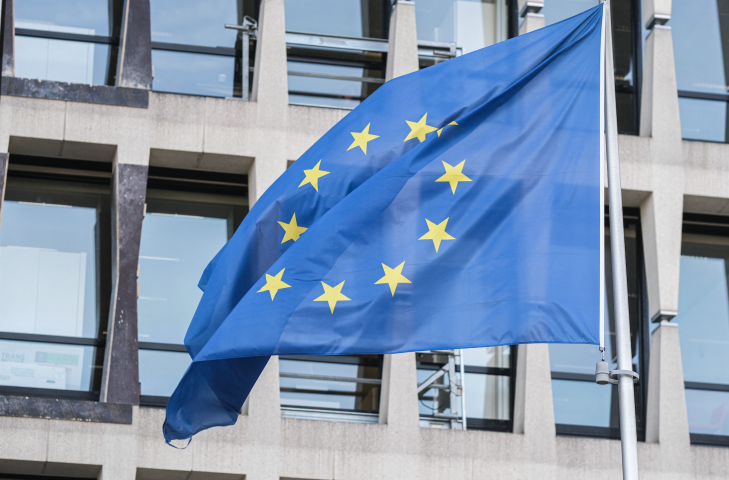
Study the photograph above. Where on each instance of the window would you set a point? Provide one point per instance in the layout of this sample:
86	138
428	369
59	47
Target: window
455	27
67	40
184	227
336	50
486	391
194	53
343	388
701	44
627	50
55	278
581	406
703	320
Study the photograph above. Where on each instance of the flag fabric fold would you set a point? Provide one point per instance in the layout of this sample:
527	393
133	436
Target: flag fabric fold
458	207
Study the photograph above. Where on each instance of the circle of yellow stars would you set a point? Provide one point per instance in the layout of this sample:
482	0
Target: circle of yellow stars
393	276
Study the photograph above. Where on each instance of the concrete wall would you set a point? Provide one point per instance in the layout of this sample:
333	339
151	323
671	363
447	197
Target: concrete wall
661	174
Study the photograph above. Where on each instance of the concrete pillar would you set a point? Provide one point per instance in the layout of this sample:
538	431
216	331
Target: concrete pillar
120	380
270	92
531	13
656	12
264	418
533	402
399	394
402	53
3	181
666	415
7	38
134	64
661	212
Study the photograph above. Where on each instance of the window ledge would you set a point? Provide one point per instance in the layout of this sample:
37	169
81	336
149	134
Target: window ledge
329	415
74	92
65	409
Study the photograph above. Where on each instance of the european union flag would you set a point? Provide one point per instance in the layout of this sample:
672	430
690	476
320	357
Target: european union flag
459	206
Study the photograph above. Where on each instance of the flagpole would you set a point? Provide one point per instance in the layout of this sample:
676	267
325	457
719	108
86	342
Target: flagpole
626	395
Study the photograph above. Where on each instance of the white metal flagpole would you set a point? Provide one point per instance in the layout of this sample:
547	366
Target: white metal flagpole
624	373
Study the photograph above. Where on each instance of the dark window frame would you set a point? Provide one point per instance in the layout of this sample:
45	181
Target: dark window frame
90	173
703	224
630	216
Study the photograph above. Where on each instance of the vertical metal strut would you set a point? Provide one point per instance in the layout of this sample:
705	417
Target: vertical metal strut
626	393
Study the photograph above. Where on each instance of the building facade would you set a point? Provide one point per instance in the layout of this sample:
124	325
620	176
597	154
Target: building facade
136	134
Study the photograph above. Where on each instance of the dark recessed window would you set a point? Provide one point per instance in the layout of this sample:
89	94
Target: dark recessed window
701	45
194	53
189	218
67	40
581	406
55	279
703	320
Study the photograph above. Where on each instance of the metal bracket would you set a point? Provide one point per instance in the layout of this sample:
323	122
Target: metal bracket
614	374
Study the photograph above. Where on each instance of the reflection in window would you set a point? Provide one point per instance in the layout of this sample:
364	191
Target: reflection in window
67	40
183	229
54	276
626	46
703	319
345	388
701	45
331	74
581	407
193	53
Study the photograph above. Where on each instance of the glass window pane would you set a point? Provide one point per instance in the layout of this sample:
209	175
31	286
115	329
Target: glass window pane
708	412
193	73
470	24
178	241
703	309
160	372
90	17
346	18
436	20
190	22
325	91
487	396
700	44
48	263
326	393
703	119
62	60
557	10
46	365
498	357
585	403
433	400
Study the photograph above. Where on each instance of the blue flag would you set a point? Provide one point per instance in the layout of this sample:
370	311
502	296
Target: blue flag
458	207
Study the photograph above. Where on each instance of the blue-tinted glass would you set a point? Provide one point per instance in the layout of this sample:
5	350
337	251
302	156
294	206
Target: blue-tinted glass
499	357
46	365
193	73
703	313
703	119
487	396
470	24
708	412
557	10
583	403
346	18
62	60
174	251
700	44
317	91
160	372
89	17
48	269
192	22
328	394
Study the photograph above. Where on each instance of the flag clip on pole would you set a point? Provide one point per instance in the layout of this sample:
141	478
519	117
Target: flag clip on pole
625	374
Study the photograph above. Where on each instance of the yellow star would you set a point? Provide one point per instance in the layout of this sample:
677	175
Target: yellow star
361	139
436	233
274	284
293	231
331	295
312	176
393	276
453	175
419	129
440	129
